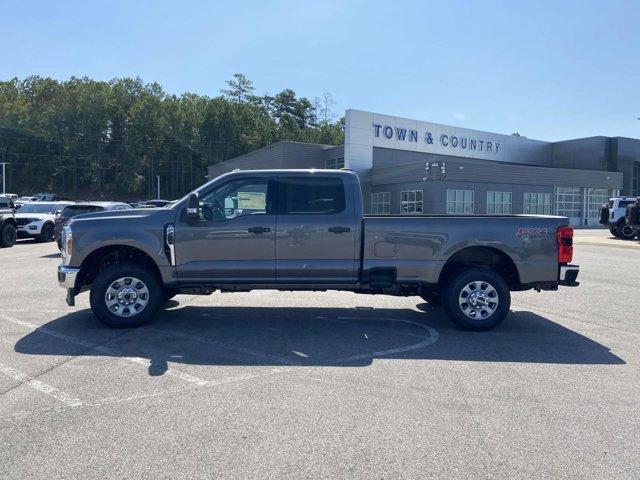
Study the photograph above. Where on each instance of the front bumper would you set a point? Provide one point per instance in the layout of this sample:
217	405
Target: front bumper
568	275
67	276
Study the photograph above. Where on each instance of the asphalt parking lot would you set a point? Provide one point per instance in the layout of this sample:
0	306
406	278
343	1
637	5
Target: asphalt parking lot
332	385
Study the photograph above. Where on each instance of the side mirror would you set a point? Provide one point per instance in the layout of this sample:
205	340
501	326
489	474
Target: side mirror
193	208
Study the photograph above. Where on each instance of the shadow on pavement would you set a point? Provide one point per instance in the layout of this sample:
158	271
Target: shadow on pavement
313	337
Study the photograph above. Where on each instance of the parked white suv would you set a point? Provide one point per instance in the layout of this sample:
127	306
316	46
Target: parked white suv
36	219
612	216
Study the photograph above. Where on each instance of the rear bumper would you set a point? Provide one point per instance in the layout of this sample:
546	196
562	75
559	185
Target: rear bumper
568	275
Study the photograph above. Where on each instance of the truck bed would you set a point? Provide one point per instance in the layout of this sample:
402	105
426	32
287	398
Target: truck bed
417	247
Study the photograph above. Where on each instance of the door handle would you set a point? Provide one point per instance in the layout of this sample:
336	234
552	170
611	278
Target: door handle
258	230
339	229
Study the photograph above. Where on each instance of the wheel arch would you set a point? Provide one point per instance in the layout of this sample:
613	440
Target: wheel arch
107	255
482	256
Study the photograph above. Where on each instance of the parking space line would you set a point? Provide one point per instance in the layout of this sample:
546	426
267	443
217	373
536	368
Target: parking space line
186	388
101	348
214	343
431	339
41	386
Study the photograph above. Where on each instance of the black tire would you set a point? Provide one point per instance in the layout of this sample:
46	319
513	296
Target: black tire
632	214
614	231
46	234
603	215
479	277
432	297
626	232
106	279
8	235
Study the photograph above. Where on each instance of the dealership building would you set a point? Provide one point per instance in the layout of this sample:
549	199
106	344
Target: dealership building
412	167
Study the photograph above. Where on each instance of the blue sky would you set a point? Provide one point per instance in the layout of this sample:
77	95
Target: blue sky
549	70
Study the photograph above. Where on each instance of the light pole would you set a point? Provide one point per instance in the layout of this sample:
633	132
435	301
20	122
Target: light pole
158	179
4	171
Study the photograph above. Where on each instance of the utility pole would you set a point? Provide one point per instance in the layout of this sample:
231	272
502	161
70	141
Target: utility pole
4	171
158	179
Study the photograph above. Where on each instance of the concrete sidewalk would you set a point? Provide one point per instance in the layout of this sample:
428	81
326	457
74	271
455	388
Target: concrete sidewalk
602	237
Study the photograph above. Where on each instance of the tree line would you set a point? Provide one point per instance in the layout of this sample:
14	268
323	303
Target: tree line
91	139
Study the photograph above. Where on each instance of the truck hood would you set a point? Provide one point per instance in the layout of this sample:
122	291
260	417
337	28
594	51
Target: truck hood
116	217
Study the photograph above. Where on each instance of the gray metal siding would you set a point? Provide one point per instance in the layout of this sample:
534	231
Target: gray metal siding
278	155
333	152
303	155
592	153
398	166
628	152
268	157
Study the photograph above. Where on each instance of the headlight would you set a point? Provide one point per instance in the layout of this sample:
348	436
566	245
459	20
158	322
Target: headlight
67	243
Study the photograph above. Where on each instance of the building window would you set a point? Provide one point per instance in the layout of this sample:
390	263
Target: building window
569	203
635	179
411	201
459	201
498	202
537	203
381	202
596	197
334	163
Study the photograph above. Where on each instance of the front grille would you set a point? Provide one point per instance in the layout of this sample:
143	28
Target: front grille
59	223
22	221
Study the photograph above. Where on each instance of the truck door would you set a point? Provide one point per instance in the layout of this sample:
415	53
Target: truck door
234	240
315	230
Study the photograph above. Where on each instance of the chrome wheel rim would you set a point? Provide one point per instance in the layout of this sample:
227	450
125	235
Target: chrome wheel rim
478	300
126	297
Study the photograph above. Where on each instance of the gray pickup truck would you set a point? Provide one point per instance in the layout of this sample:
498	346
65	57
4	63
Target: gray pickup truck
305	230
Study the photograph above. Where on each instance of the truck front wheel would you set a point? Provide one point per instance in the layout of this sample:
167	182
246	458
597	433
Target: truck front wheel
477	299
125	295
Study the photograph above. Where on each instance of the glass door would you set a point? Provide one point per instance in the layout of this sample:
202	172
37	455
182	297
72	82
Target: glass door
569	204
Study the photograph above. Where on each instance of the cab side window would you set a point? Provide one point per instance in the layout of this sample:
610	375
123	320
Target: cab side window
245	196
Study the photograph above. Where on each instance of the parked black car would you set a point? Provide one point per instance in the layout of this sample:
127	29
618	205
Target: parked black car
156	203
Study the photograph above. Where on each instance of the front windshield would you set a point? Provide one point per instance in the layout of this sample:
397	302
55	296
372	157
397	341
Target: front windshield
38	208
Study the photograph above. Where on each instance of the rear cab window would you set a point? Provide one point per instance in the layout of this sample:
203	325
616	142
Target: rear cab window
311	196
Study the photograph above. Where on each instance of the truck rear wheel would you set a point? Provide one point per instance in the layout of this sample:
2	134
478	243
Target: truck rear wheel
8	235
626	232
477	299
125	295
